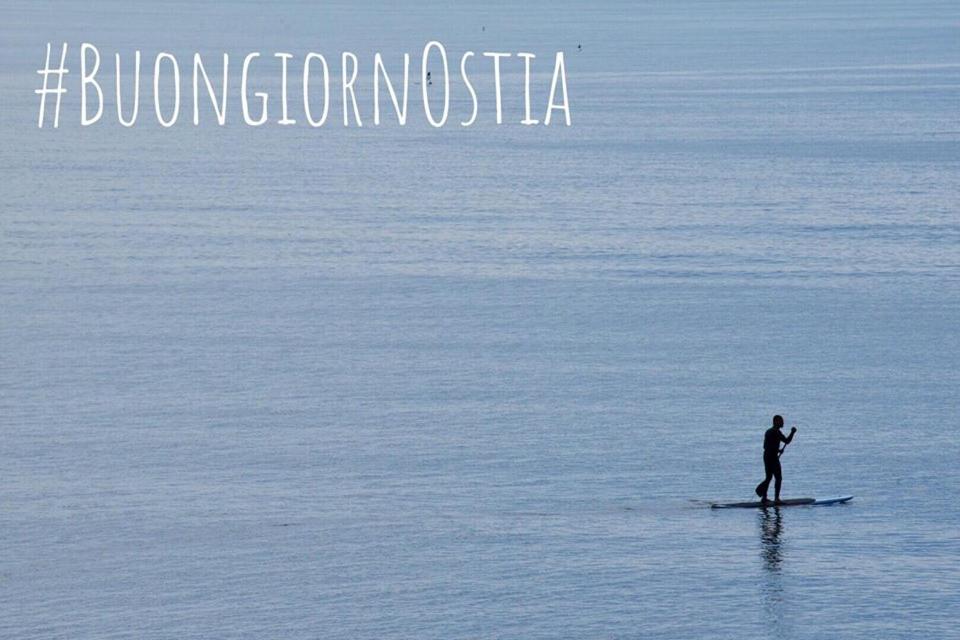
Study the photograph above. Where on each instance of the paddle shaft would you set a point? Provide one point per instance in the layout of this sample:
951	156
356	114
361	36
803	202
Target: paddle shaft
780	453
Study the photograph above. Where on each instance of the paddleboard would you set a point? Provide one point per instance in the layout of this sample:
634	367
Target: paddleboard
793	502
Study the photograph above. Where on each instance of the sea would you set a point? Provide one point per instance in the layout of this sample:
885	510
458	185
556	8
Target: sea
405	382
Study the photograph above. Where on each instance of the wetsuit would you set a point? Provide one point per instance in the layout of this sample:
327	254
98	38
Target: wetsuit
771	459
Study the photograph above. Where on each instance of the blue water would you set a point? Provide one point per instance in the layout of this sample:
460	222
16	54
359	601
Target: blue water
481	382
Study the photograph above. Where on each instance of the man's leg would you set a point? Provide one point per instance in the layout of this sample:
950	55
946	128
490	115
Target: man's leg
766	485
762	489
778	474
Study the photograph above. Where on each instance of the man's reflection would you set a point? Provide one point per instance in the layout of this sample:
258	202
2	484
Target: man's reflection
771	586
771	526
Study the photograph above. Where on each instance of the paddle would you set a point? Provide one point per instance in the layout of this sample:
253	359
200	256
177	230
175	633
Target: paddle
793	430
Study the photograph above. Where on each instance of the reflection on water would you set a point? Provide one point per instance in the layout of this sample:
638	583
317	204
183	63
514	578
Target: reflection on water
771	585
771	526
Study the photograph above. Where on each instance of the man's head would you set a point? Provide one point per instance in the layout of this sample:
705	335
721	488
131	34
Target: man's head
778	422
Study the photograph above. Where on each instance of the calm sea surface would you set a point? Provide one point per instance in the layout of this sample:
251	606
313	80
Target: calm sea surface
397	382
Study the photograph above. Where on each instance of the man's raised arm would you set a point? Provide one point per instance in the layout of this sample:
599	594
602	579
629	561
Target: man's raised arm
787	439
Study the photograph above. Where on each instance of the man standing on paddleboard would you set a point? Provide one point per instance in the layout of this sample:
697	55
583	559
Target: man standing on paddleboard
771	457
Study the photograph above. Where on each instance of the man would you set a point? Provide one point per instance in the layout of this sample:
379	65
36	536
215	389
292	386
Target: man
771	457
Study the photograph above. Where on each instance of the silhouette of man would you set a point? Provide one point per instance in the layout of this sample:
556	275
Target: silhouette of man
771	457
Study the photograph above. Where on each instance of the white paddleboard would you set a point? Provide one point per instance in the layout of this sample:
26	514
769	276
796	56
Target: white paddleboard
792	502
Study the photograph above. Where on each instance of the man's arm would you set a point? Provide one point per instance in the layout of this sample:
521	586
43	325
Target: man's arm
787	439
